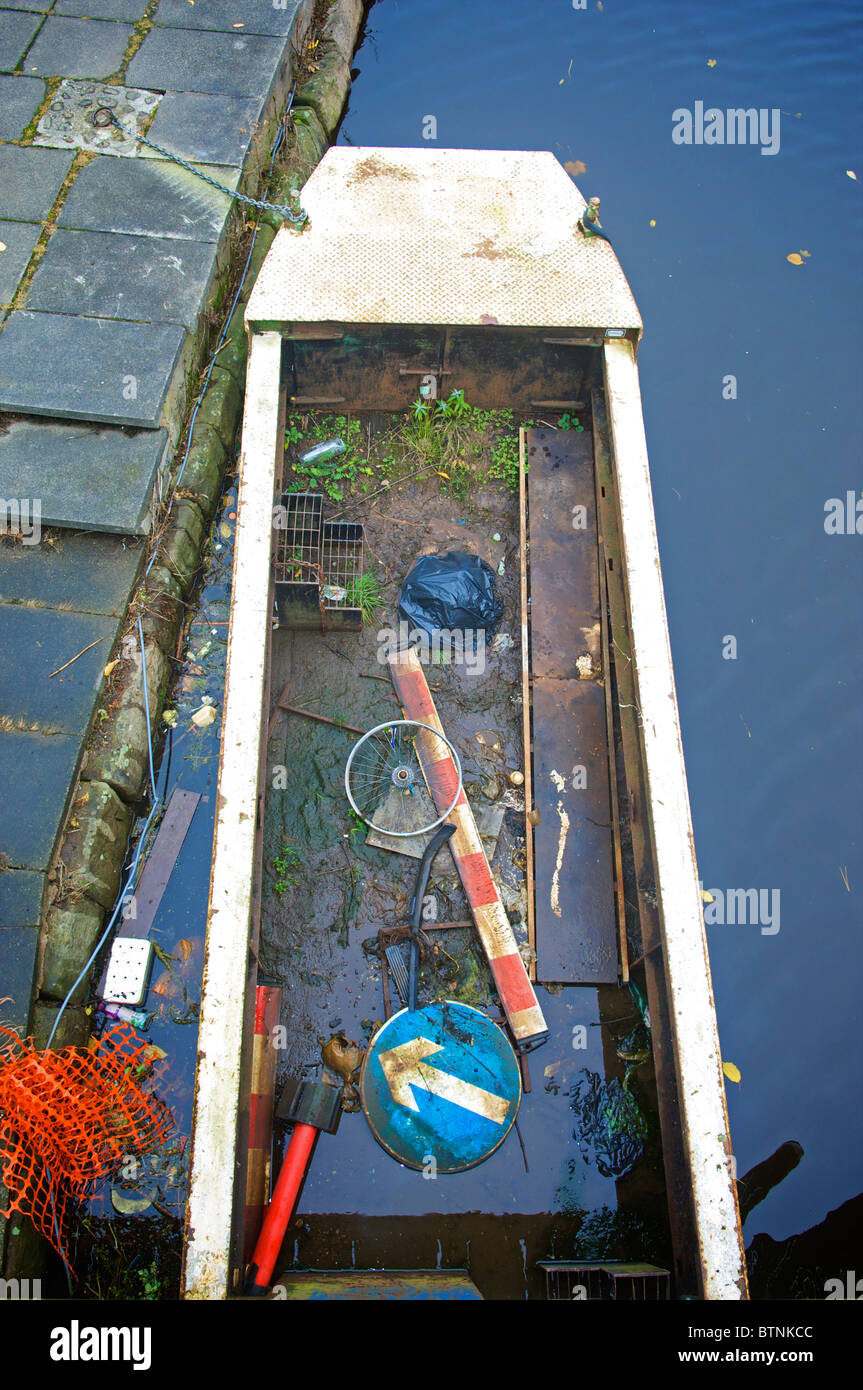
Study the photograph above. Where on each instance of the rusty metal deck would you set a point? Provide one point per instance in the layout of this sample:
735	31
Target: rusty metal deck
575	904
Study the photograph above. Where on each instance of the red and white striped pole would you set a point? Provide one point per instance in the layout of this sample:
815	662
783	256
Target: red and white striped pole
516	992
268	1003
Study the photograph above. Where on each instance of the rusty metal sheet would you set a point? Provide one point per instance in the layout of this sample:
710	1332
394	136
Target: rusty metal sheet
576	925
564	566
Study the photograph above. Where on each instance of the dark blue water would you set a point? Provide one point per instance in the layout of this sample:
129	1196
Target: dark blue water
772	738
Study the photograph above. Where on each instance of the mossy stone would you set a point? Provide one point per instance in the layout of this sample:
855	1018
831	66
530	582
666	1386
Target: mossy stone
71	933
95	844
326	91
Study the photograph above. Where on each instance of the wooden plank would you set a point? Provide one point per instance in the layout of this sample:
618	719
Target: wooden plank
576	927
525	708
160	863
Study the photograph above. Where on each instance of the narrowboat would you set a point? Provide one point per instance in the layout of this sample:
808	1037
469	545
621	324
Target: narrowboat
443	370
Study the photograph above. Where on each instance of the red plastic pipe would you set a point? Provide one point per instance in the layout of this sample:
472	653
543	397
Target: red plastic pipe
283	1201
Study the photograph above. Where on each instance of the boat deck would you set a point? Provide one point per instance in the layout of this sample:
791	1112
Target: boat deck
566	1185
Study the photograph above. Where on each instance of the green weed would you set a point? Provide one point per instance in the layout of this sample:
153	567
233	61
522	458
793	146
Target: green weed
284	865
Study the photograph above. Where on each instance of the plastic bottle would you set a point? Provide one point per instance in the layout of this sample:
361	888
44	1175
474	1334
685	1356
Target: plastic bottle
139	1018
321	452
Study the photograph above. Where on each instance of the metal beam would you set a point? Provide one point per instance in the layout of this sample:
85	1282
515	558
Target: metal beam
210	1238
703	1109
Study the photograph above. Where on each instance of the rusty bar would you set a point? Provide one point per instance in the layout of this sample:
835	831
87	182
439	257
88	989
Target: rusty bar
612	767
525	708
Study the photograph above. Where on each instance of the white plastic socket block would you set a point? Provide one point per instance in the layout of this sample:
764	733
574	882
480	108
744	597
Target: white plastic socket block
128	968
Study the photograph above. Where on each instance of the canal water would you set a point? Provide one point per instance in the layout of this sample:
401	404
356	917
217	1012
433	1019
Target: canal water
750	372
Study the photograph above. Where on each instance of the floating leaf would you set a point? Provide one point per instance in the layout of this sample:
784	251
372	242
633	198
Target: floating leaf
550	1070
109	668
795	258
707	897
2	246
732	1072
183	949
851	174
165	987
169	717
132	1203
653	221
711	62
575	166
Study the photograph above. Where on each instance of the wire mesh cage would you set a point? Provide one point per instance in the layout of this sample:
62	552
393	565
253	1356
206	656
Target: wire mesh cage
298	574
342	565
318	566
611	1280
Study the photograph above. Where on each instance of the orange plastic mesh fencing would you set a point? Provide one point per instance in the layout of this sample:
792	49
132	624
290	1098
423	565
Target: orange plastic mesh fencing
69	1118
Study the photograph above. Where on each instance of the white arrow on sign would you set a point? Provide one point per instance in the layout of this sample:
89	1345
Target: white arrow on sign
404	1067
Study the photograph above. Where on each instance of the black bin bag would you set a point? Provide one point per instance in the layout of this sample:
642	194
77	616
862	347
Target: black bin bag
454	592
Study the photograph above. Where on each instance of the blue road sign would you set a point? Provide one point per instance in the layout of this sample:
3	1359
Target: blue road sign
440	1083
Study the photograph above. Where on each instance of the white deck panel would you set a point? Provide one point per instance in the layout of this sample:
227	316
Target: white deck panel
428	236
701	1084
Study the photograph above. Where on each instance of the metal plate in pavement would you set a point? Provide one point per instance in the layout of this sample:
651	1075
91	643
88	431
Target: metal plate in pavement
440	1083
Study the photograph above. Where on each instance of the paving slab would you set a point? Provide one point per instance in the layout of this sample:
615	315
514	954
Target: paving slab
88	572
148	198
92	479
16	32
78	368
36	773
42	6
185	60
30	180
198	126
104	9
68	121
20	900
114	276
36	641
261	17
78	48
20	99
19	949
17	240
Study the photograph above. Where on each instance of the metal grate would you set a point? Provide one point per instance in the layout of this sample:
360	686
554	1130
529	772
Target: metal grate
298	542
610	1281
318	566
342	562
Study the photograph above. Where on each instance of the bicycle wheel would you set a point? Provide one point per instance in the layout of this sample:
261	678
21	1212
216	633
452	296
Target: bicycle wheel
384	778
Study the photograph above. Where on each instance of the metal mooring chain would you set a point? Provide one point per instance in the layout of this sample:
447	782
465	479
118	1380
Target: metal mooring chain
104	116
